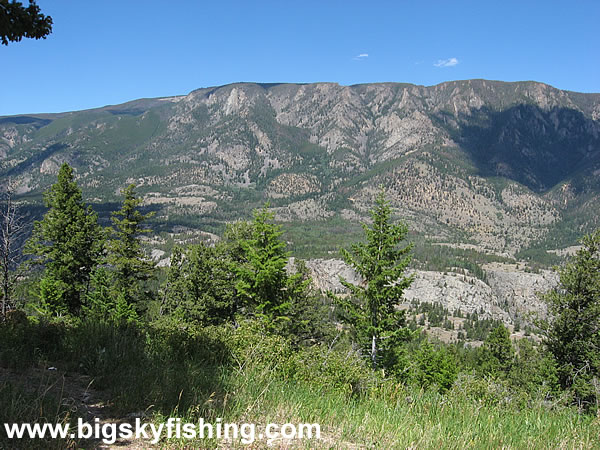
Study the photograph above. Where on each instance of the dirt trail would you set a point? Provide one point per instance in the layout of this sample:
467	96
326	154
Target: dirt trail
77	394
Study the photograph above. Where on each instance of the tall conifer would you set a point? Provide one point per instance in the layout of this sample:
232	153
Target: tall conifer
125	252
372	306
68	241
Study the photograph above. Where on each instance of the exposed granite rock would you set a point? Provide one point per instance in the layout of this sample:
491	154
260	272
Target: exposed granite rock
493	164
507	294
520	290
456	291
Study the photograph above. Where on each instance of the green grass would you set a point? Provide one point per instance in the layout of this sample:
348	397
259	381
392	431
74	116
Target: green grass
245	375
32	400
428	421
395	416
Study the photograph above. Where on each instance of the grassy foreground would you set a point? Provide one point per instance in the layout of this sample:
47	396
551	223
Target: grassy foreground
245	374
428	421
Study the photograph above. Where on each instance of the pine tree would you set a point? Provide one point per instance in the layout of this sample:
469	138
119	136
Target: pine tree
381	263
434	367
103	303
125	253
198	285
498	352
174	284
533	369
68	240
264	286
574	330
262	279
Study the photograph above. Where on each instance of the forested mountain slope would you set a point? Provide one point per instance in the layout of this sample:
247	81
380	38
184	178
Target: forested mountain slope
501	166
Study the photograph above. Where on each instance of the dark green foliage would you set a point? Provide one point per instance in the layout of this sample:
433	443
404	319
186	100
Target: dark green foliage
25	341
498	352
18	21
161	364
434	367
478	329
262	281
534	370
371	308
267	289
436	314
573	335
131	266
538	257
261	276
102	302
311	317
199	285
443	258
523	370
319	238
245	275
68	241
51	296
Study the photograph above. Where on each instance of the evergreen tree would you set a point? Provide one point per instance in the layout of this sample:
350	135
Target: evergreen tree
573	335
434	367
262	278
172	286
381	263
125	253
199	285
236	233
264	286
251	257
103	303
533	369
309	313
52	296
68	240
498	352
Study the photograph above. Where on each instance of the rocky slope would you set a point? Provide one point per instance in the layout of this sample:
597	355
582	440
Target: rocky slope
508	168
508	293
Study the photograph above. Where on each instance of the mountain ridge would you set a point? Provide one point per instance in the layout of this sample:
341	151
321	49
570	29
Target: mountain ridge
268	85
506	166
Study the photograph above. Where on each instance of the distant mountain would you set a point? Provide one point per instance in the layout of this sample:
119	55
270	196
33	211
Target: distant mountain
506	168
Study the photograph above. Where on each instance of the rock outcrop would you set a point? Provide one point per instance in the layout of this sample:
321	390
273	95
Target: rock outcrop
507	294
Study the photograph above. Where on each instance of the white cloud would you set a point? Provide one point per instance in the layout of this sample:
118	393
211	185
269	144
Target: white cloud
361	56
446	62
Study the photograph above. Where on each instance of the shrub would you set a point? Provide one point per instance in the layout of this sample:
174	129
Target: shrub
331	369
434	367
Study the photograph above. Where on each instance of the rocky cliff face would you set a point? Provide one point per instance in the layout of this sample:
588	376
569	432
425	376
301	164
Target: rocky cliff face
507	295
502	166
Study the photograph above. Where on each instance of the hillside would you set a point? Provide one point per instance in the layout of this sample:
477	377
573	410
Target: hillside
503	166
496	182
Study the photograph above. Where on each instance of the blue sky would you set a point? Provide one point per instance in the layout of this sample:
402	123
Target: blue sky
110	51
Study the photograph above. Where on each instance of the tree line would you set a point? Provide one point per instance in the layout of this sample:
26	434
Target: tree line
78	269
